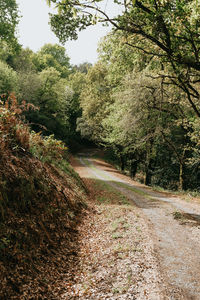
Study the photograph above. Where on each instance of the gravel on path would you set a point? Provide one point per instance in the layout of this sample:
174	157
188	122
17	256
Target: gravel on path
170	240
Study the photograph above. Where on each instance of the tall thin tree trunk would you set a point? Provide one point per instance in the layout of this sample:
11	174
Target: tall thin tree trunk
147	180
133	168
122	162
181	176
149	163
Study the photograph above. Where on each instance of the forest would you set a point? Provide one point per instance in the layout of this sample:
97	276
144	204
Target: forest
139	103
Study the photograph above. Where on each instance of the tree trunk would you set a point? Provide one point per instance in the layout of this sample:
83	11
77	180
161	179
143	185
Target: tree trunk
148	172
181	182
147	180
133	168
149	163
122	162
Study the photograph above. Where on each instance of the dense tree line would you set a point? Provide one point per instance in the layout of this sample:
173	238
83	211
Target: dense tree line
46	79
142	98
129	107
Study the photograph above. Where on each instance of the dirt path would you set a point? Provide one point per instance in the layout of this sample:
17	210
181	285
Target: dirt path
174	226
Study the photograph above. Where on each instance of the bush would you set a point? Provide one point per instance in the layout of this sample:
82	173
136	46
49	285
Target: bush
47	149
21	183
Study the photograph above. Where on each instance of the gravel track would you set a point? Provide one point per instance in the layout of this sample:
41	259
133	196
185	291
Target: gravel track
174	225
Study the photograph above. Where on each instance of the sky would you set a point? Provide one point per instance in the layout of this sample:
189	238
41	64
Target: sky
34	31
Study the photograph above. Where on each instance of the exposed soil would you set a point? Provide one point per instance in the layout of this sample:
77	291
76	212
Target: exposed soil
167	266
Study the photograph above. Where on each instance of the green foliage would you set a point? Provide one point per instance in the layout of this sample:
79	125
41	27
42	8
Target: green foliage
7	53
120	58
70	28
193	161
29	86
57	52
149	127
82	68
48	91
144	119
53	56
44	79
94	100
53	100
8	21
46	149
8	79
165	30
23	62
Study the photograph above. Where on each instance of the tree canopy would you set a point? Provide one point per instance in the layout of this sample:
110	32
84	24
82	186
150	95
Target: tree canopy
9	18
166	30
140	100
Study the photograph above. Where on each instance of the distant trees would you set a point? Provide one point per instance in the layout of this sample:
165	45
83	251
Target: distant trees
83	67
141	100
166	30
152	76
53	56
94	101
8	80
47	80
129	107
147	124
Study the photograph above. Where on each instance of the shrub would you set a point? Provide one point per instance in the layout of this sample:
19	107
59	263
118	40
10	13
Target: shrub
21	182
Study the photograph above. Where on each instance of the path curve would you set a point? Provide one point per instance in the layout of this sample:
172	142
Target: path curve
175	227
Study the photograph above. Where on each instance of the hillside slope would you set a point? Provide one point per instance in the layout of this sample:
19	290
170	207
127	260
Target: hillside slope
41	200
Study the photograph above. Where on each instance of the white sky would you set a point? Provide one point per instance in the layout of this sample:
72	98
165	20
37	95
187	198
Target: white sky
34	31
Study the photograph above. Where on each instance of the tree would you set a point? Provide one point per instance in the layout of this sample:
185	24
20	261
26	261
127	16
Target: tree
8	80
7	54
23	62
94	100
145	127
48	101
167	30
76	83
119	58
53	56
53	96
44	80
9	19
29	87
82	68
